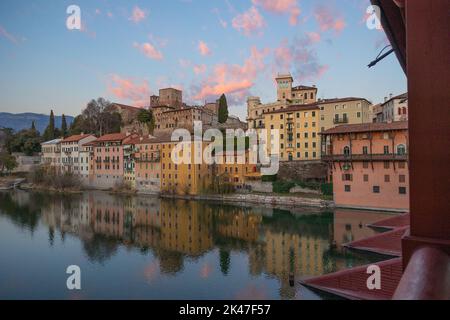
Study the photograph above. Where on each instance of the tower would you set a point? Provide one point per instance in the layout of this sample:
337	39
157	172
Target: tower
284	87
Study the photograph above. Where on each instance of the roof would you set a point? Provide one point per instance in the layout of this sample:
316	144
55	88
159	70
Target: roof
368	127
346	99
112	137
54	141
76	138
299	107
301	87
151	139
403	97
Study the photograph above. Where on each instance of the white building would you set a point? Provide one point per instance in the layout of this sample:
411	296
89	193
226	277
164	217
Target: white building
51	153
395	108
70	152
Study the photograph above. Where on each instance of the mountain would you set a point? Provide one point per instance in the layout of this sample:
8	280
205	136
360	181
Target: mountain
19	121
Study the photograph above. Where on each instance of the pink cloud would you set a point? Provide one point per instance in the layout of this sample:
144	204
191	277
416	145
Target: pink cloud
199	69
235	79
300	56
328	19
149	50
249	22
203	48
138	15
8	36
290	7
129	89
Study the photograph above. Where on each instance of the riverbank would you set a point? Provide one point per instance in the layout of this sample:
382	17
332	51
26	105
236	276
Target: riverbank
272	199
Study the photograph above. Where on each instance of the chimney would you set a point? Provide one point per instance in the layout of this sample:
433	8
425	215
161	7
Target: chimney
128	133
390	96
385	99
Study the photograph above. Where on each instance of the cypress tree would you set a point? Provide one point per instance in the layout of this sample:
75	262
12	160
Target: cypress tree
223	109
63	126
49	133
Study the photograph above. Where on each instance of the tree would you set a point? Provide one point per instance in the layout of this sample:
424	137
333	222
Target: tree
146	117
64	126
224	261
33	125
223	109
7	162
49	133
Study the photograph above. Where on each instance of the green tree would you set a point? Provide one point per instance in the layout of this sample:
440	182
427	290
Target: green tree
33	125
224	261
64	130
223	109
146	117
49	133
7	162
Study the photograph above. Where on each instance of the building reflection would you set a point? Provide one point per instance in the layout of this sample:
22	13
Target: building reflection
278	244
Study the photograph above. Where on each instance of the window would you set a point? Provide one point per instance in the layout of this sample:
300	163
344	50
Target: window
402	190
401	149
376	189
386	165
347	177
387	178
365	164
366	178
347	151
401	165
358	114
347	188
386	149
402	178
365	150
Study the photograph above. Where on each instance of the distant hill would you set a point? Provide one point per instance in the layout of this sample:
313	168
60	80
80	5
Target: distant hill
19	121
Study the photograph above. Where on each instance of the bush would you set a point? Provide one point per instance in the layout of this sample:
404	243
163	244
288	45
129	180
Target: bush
271	178
282	186
56	180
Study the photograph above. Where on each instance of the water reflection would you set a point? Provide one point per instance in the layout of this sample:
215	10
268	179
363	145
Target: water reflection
264	248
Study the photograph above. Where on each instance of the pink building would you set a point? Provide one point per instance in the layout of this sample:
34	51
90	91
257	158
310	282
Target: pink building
109	159
368	165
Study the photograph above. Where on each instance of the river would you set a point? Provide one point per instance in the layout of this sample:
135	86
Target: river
143	247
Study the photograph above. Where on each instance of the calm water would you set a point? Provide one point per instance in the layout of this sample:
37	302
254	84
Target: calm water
142	247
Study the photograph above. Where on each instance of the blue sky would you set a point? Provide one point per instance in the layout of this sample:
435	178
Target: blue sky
128	49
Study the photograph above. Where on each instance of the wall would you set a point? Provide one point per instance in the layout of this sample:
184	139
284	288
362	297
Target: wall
303	170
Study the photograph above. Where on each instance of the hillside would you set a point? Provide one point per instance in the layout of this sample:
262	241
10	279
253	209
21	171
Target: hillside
21	121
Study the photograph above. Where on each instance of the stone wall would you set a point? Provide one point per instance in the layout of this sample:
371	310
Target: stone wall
303	171
259	186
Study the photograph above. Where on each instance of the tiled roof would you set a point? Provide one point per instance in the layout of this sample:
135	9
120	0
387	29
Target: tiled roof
403	96
346	99
54	141
299	107
76	138
112	137
368	127
151	139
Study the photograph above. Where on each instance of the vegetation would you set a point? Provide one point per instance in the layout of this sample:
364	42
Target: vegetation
26	141
55	180
327	189
97	118
7	162
50	133
64	130
283	186
223	109
146	117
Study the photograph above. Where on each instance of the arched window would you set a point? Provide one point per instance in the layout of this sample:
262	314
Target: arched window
401	149
346	151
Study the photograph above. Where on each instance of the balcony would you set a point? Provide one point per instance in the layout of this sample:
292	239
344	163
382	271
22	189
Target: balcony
365	157
340	120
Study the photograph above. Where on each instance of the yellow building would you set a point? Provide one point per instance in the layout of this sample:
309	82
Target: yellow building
298	132
234	173
184	178
287	95
334	112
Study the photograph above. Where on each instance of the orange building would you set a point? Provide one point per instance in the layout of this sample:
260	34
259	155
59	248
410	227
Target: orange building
368	165
109	159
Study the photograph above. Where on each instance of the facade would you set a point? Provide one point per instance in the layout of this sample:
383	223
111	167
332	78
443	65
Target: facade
147	167
86	163
287	95
184	178
26	163
377	113
51	153
368	165
70	152
396	108
109	159
234	173
344	111
299	132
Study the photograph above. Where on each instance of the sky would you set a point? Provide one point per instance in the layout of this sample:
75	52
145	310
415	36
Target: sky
126	50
